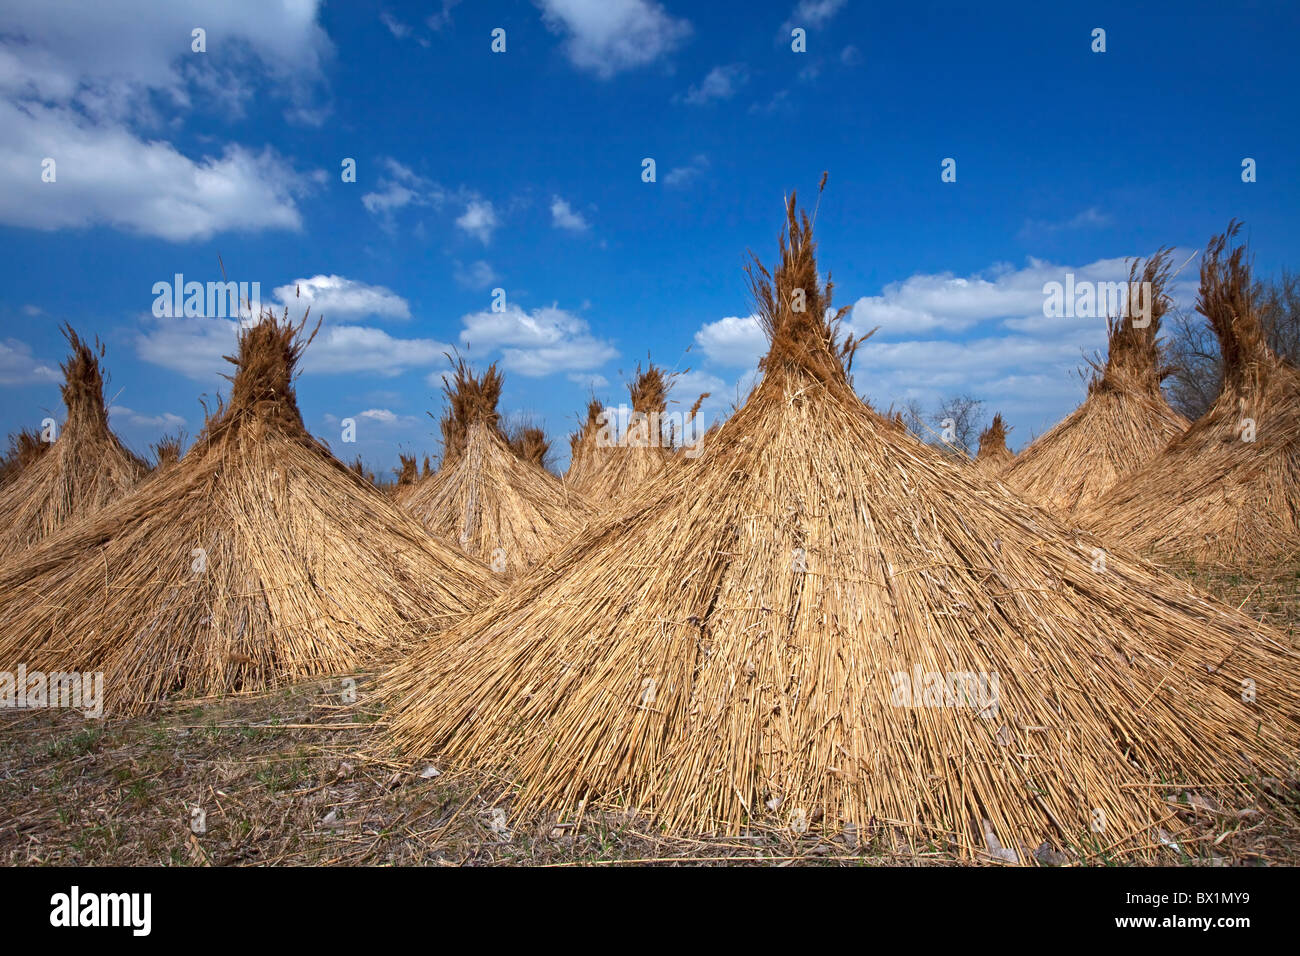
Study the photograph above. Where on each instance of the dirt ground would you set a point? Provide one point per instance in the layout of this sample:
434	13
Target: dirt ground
292	777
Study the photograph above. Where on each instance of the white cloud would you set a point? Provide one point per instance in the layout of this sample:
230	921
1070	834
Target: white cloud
335	297
476	275
1090	218
194	348
588	379
380	417
536	343
606	37
397	187
109	58
83	84
734	341
1013	297
439	20
167	421
105	175
396	27
479	220
812	13
851	55
18	366
563	216
721	83
681	175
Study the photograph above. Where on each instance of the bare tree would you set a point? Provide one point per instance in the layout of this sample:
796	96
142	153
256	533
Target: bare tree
953	427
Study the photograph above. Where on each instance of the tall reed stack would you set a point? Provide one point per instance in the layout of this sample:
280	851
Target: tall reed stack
257	559
499	507
87	467
1125	420
772	635
1227	490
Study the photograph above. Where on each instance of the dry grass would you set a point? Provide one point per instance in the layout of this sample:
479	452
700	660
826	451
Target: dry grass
1122	424
994	456
257	560
499	507
86	469
719	655
1212	496
640	454
25	447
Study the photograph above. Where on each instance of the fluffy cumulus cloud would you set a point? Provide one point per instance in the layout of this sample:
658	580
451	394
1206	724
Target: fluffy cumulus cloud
334	297
479	220
79	85
606	37
18	366
721	83
475	275
398	187
105	175
812	14
120	415
194	348
684	175
537	343
734	341
563	216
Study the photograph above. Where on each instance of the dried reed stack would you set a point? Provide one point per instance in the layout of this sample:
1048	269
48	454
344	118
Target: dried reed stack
257	559
640	454
1124	421
359	469
87	467
726	653
470	399
24	449
531	444
499	507
407	473
585	452
1228	489
994	455
167	451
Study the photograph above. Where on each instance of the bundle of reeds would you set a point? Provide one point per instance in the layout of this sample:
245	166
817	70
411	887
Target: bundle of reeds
586	451
994	456
86	468
1228	489
1124	421
167	451
257	559
640	453
531	444
501	508
407	473
771	637
25	447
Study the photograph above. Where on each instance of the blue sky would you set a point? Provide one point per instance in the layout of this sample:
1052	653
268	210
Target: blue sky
522	171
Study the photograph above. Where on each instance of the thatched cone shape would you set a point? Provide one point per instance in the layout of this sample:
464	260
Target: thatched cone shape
506	511
1123	423
257	559
86	468
1228	489
585	453
994	455
640	454
727	651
